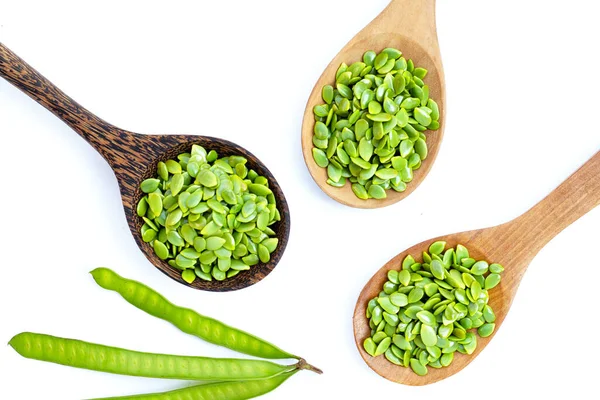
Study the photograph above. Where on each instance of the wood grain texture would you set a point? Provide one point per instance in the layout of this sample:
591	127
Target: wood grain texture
134	157
408	25
513	244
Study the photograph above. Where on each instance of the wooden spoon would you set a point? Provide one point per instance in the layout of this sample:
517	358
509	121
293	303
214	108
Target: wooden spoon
408	25
133	158
513	244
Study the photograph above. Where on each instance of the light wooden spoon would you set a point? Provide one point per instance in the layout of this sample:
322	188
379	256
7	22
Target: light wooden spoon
513	244
408	25
133	158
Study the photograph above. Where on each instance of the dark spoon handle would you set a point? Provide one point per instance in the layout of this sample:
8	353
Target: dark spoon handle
111	142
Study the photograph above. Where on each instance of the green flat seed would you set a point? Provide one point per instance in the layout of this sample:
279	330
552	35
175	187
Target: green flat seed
334	173
392	53
387	305
393	276
177	182
188	234
435	112
415	295
173	167
184	262
404	276
380	117
383	346
365	149
327	94
263	254
402	343
155	203
162	171
160	250
446	359
175	239
380	60
360	162
199	244
491	281
210	229
207	178
211	156
422	116
207	257
190	253
149	235
320	157
386	173
270	244
149	185
374	108
391	319
188	275
488	314
391	357
468	262
216	206
479	268
398	299
214	243
377	192
370	346
475	290
142	207
486	330
437	269
496	268
408	262
431	289
387	67
417	367
421	148
437	247
259	190
427	318
360	191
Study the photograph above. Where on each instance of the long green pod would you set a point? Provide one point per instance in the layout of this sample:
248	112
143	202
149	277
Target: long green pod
216	391
79	354
188	321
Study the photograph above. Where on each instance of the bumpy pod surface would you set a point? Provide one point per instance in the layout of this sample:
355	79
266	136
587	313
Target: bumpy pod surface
80	354
187	320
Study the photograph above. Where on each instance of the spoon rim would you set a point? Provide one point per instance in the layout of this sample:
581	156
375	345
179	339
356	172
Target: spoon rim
183	144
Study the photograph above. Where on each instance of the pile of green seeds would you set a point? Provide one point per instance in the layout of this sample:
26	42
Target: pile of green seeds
370	130
207	216
427	311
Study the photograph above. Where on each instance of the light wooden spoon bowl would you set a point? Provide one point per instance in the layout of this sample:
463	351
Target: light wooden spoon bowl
409	26
513	244
134	157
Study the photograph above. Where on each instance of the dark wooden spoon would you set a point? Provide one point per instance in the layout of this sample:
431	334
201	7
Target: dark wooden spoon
133	158
513	244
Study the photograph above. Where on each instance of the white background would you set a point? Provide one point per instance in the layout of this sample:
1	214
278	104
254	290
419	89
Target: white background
522	83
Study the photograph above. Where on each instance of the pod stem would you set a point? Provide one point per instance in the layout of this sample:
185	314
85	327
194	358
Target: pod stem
302	364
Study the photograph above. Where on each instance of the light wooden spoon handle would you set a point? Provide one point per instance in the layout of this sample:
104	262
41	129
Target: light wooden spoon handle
108	140
575	197
412	18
